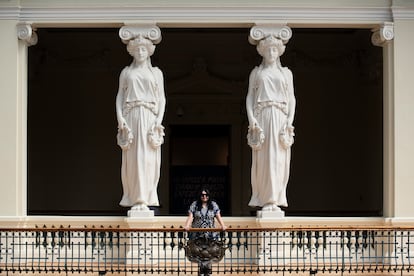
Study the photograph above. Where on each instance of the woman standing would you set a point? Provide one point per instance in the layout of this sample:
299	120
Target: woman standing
270	107
140	106
202	212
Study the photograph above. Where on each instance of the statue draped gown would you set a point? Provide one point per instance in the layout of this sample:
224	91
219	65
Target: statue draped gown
141	162
270	164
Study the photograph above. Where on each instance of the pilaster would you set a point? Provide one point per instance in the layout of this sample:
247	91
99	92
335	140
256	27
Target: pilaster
27	37
383	37
403	83
13	116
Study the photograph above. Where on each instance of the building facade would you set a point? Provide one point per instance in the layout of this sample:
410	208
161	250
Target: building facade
391	24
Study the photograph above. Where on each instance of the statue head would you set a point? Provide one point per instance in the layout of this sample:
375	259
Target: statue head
133	45
268	42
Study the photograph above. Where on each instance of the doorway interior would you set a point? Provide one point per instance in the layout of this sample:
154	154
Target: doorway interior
74	162
199	158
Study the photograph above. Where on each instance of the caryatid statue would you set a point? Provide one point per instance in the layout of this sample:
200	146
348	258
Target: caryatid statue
270	107
140	106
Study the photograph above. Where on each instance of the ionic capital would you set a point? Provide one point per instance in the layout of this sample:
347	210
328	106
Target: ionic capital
26	33
260	32
383	34
151	32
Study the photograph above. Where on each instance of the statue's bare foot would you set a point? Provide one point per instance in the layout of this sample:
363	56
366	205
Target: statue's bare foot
275	208
140	207
271	207
268	207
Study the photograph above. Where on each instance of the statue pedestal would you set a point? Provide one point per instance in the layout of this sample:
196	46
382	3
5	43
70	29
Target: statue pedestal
140	213
141	245
270	214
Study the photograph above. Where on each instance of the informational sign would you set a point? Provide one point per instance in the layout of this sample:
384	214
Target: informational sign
186	182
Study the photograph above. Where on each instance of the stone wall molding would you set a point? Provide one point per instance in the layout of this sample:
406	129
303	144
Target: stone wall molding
202	12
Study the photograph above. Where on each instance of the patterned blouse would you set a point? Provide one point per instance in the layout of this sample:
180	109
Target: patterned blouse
205	217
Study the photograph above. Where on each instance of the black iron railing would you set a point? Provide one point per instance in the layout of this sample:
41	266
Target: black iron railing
247	250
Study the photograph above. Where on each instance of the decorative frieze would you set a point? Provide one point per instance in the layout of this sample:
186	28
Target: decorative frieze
26	33
383	34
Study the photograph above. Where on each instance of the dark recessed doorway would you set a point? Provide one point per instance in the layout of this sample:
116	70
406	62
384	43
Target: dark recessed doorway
199	157
74	162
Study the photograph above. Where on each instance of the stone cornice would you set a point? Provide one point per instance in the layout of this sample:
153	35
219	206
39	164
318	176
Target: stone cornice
202	14
400	13
9	13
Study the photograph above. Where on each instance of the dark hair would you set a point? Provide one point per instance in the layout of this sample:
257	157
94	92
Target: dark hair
209	201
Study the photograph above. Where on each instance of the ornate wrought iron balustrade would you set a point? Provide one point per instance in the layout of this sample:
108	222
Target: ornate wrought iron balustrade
153	251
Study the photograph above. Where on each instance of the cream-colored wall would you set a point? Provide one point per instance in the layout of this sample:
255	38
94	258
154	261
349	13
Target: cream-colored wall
13	55
404	118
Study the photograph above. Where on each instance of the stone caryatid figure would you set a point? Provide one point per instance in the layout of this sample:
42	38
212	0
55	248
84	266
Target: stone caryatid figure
140	106
270	107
